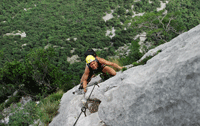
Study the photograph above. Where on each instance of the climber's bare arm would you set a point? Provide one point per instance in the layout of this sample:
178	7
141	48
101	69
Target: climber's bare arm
85	77
84	74
103	61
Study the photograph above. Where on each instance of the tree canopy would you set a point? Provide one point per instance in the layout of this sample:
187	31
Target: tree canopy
67	28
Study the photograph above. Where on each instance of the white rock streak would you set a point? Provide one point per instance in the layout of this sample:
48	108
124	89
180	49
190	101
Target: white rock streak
5	120
73	59
139	14
163	5
27	9
71	51
23	35
142	38
24	44
107	17
75	39
111	31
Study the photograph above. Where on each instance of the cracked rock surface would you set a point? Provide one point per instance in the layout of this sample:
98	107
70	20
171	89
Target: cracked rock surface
163	92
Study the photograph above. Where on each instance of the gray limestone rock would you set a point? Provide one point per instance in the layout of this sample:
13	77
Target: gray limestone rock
163	92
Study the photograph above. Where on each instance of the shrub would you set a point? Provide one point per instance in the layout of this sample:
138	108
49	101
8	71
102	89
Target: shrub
48	107
25	116
124	68
133	55
48	111
135	64
44	111
11	76
144	61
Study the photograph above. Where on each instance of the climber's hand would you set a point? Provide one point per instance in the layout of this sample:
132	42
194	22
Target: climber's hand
85	90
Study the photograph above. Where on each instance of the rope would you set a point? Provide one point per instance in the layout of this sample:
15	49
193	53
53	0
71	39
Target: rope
83	109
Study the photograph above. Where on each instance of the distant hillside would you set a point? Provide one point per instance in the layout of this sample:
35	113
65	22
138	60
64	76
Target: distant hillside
80	24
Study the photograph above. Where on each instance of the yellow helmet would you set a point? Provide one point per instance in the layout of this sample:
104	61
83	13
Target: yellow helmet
89	59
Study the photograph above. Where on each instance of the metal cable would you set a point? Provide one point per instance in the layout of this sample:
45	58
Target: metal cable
83	109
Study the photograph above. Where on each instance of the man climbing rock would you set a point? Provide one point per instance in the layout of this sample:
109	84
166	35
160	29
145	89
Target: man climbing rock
95	64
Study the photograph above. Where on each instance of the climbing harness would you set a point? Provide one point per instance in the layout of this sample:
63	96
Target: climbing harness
83	109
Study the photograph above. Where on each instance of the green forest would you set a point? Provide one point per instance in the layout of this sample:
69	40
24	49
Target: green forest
35	62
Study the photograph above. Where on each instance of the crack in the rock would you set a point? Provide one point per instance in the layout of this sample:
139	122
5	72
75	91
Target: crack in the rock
109	88
93	105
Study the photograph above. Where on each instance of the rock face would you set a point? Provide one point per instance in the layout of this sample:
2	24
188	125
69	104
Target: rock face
163	92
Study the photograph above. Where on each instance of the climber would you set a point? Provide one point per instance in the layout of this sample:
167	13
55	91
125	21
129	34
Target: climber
95	64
